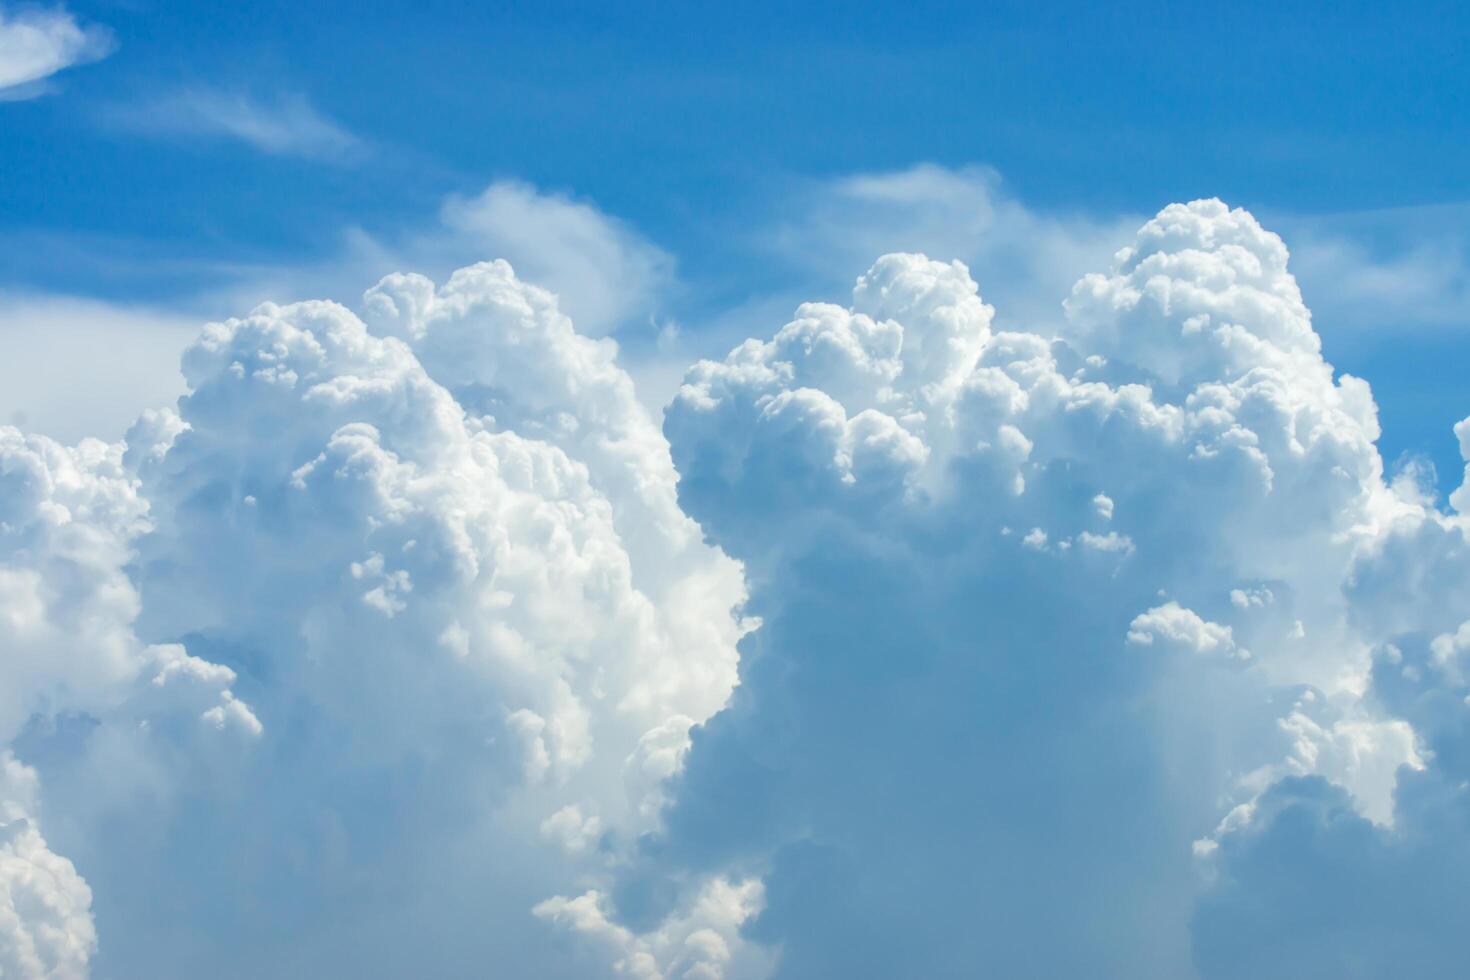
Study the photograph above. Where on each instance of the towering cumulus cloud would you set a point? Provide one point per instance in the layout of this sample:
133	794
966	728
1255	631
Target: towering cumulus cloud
442	562
395	650
1061	633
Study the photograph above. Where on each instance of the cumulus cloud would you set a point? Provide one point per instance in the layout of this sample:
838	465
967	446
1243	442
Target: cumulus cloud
361	629
962	736
37	43
288	125
1172	624
397	646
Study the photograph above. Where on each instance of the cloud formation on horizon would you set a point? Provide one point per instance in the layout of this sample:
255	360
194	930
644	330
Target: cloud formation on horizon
1106	648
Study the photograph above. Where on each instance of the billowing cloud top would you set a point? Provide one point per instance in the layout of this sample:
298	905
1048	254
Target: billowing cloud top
397	648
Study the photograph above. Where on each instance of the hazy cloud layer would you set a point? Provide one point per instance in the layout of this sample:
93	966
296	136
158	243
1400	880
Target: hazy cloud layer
78	367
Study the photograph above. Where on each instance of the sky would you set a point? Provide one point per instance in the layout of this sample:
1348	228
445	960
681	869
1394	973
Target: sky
733	491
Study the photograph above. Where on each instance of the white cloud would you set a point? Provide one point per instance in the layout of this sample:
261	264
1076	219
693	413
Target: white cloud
474	541
288	125
37	43
404	619
1173	625
933	687
1246	598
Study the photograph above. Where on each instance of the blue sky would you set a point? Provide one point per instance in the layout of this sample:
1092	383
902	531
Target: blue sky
885	515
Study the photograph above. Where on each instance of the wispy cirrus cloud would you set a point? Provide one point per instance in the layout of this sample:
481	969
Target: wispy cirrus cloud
36	44
287	125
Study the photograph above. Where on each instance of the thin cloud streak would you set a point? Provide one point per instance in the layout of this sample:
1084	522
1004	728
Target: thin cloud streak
288	125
